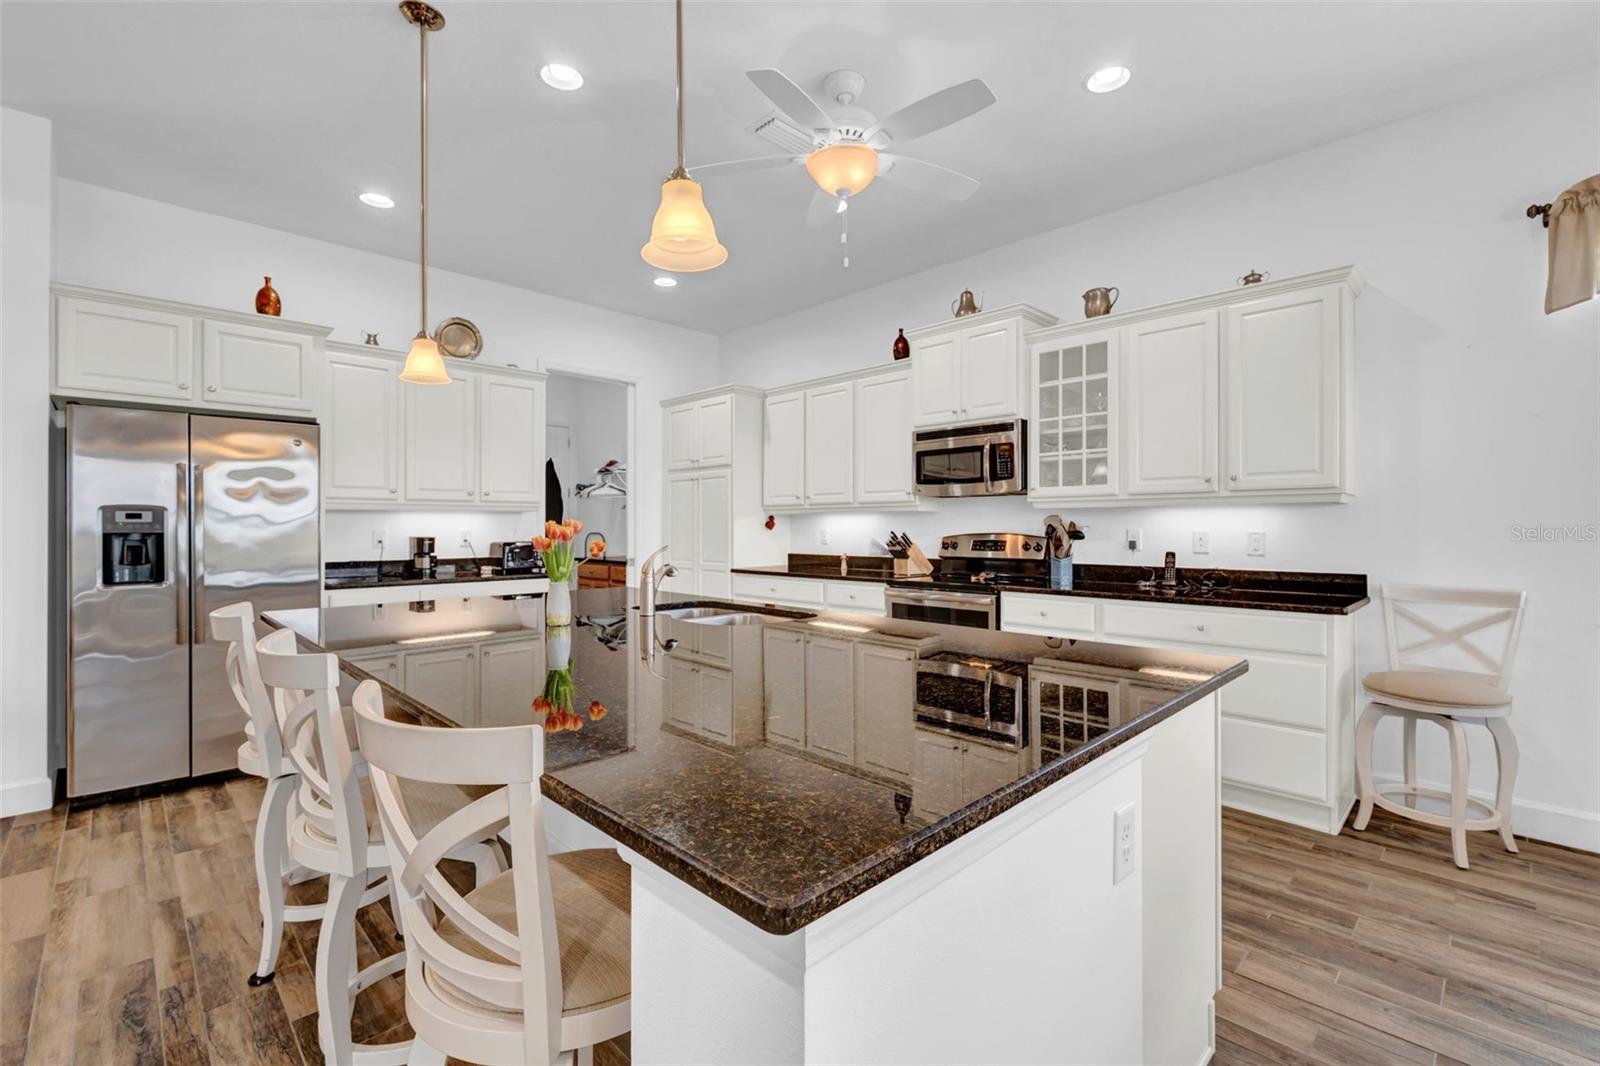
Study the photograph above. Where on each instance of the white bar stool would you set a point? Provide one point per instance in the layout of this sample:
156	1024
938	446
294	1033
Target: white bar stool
1445	621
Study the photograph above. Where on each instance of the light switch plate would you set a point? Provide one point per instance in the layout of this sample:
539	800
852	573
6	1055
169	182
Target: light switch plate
1255	542
1125	842
822	536
1202	542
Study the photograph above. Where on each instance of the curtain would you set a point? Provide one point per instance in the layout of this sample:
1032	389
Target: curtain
1574	246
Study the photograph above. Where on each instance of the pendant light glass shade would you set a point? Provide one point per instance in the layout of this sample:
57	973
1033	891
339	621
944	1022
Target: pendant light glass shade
424	364
683	238
847	167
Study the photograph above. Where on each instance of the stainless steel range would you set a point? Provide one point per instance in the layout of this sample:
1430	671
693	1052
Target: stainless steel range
964	589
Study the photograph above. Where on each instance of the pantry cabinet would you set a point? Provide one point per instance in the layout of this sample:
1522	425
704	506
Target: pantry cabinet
116	346
972	369
475	444
700	433
699	533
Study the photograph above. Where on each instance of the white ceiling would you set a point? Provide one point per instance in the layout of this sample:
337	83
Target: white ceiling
279	113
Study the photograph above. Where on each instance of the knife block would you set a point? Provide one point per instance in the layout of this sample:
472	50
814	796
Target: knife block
912	564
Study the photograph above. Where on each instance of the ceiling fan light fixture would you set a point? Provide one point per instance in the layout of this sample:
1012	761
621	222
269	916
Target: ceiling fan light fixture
840	169
683	238
424	364
1107	79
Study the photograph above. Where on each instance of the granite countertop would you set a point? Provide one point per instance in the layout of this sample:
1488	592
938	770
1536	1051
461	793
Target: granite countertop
362	575
774	834
1260	590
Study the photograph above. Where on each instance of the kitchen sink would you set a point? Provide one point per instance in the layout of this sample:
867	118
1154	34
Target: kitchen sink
718	616
738	618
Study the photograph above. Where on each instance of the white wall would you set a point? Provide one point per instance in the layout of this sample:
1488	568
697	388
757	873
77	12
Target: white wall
25	220
1477	413
347	535
597	414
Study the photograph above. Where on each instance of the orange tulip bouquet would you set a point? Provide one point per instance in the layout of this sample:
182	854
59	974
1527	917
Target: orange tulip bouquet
555	548
556	701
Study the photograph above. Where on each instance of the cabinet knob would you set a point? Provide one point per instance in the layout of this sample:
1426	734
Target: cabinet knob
1233	477
1201	628
183	385
486	494
1208	479
1044	614
394	492
469	492
211	388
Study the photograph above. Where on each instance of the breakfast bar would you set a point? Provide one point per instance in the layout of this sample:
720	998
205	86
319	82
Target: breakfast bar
861	884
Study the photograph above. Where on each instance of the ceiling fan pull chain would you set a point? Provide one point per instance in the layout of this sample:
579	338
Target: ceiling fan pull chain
844	233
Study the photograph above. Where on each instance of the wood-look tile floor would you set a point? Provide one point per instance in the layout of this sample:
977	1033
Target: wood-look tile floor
127	932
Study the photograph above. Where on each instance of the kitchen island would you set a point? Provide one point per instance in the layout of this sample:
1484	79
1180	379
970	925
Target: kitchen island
820	876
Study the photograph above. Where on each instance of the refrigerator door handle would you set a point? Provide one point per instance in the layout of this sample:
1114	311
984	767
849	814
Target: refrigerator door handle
197	526
178	517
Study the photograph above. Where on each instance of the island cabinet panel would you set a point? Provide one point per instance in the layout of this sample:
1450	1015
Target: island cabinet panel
784	681
1282	365
830	444
683	699
1170	429
714	693
511	440
385	668
130	351
441	430
885	701
361	444
251	366
510	674
884	471
783	454
830	698
446	680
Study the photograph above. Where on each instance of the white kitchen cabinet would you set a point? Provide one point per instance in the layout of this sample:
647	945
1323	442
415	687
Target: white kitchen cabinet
258	368
683	696
683	441
683	532
936	775
1073	425
714	692
830	444
714	520
699	532
441	433
510	674
783	658
361	437
1169	369
116	349
783	452
700	433
386	668
445	679
830	697
788	591
864	597
1284	374
972	369
985	769
510	440
883	426
885	709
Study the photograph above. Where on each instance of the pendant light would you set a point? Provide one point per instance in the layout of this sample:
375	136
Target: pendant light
424	364
683	239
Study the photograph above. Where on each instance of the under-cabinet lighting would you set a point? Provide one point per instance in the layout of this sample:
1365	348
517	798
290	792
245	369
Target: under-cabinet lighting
440	638
1181	675
841	627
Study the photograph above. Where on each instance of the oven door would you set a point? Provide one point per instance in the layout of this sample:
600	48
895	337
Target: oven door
952	466
975	610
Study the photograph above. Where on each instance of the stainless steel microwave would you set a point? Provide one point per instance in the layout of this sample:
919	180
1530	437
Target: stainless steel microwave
980	460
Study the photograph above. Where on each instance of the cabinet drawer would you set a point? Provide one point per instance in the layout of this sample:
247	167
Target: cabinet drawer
1269	631
795	590
1264	755
855	596
1285	691
1022	612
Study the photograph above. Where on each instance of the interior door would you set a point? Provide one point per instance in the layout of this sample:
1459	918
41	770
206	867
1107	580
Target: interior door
1170	379
257	538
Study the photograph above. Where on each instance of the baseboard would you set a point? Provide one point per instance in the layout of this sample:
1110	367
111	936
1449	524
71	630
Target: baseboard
1536	821
27	796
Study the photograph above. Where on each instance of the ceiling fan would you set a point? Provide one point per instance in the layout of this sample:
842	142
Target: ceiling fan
845	147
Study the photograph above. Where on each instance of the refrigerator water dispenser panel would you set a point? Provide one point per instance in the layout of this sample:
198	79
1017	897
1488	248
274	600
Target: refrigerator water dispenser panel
133	545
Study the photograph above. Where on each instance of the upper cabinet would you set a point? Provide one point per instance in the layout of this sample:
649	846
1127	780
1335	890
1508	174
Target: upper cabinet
475	443
1241	395
783	450
113	346
840	442
972	369
700	433
884	471
830	444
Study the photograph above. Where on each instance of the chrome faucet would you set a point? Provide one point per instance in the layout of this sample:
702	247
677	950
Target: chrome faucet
650	578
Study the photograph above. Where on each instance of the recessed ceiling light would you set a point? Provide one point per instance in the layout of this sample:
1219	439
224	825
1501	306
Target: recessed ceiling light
376	199
666	282
1107	79
560	76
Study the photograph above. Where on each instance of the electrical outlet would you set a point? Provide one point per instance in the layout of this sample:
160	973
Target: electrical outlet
822	536
1202	542
1134	538
1255	542
1125	842
378	538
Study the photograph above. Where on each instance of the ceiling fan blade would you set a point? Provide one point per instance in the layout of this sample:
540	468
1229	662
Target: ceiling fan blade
790	98
927	177
741	166
823	210
935	112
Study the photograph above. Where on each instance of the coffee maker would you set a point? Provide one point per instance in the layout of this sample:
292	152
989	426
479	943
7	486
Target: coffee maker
423	559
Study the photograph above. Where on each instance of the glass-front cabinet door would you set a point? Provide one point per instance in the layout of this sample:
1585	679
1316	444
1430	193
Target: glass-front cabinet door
1072	425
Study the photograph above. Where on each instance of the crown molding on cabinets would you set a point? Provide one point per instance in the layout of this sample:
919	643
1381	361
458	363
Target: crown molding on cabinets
216	314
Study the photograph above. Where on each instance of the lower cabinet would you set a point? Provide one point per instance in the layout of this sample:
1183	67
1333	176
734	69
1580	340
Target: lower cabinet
479	683
702	698
830	698
885	698
385	668
950	773
510	674
445	679
783	654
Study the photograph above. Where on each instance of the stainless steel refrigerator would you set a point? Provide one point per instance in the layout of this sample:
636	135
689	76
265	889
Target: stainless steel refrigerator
170	516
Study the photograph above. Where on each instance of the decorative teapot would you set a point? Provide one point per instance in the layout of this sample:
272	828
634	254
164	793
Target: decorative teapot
965	304
1097	302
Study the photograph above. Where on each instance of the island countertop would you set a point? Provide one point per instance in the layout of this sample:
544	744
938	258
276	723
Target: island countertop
777	835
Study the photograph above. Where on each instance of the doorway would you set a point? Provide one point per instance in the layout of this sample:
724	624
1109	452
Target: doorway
588	431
